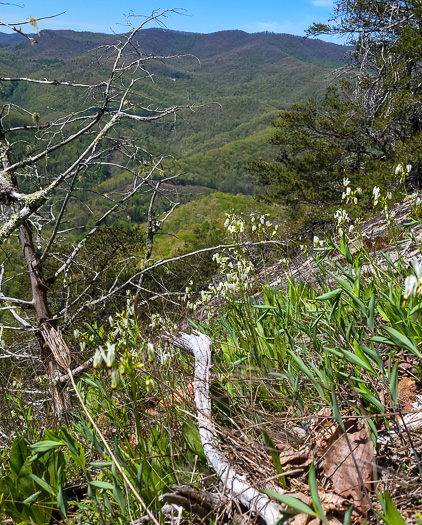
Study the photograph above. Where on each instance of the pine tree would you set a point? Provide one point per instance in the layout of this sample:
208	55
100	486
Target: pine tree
367	124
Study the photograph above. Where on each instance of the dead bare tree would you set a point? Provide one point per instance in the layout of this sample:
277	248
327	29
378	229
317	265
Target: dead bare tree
39	193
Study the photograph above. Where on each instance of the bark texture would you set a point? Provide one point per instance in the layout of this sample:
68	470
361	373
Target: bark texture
199	345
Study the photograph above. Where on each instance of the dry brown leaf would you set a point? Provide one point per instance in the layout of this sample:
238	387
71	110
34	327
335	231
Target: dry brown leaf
178	397
338	463
332	501
407	393
291	456
324	429
133	440
300	519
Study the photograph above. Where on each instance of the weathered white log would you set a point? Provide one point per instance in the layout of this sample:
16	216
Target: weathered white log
199	345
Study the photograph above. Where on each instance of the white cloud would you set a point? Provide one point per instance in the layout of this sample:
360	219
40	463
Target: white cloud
322	3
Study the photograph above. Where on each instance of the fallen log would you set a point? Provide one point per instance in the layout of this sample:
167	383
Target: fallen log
199	345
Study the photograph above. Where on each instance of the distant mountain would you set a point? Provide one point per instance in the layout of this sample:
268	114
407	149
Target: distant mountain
241	81
222	45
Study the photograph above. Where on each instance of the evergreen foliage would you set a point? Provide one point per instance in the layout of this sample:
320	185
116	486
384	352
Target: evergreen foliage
363	127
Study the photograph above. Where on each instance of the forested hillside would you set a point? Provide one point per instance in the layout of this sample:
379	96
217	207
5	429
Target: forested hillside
237	82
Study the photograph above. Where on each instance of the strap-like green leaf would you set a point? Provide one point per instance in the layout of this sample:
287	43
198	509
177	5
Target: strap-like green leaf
292	502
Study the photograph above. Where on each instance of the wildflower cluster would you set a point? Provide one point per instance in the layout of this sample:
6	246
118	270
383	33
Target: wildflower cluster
234	266
403	171
259	224
234	224
262	225
163	324
234	271
122	351
108	356
343	221
318	242
384	201
415	197
349	195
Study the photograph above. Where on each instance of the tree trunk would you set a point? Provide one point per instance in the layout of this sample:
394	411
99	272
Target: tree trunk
58	394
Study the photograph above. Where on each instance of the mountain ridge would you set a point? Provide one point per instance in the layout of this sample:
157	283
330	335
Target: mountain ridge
238	82
203	45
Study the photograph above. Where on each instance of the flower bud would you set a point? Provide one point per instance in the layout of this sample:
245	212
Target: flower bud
98	358
410	286
110	355
150	352
115	378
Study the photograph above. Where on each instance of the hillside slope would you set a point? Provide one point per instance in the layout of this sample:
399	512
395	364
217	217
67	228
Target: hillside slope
237	81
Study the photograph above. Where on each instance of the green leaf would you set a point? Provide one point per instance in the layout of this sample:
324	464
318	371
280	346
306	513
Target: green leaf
394	383
61	501
43	484
275	456
70	441
45	446
371	312
307	372
32	498
329	295
401	340
101	484
356	360
89	381
292	502
346	251
373	355
119	497
336	411
264	307
348	516
18	454
314	494
366	394
392	515
361	354
100	464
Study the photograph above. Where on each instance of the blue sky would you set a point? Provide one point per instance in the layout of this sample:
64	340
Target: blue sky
280	16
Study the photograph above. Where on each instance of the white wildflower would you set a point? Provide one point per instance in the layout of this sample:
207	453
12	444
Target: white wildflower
110	355
410	287
417	267
98	358
375	194
399	169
